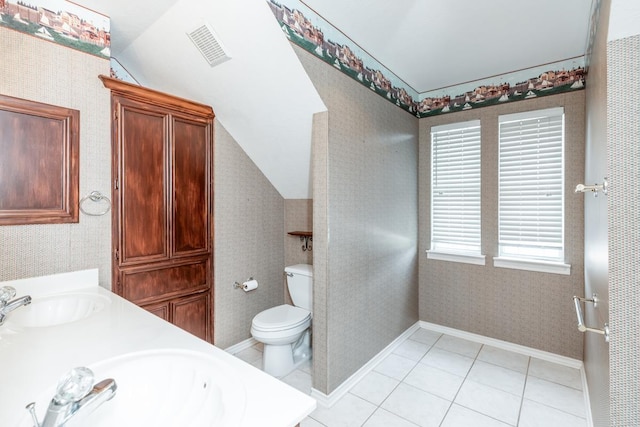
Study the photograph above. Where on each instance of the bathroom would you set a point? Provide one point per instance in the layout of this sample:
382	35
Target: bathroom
373	273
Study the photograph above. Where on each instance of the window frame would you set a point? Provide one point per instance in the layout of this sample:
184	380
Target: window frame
444	253
533	262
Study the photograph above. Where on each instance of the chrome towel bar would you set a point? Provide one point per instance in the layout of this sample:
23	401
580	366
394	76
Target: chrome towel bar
604	187
581	326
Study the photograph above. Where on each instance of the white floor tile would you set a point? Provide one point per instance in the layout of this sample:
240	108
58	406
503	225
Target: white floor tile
300	380
557	396
349	411
249	355
435	381
458	345
395	366
375	387
257	363
497	377
425	336
556	373
459	416
417	406
506	359
453	363
310	422
412	350
382	418
489	401
306	367
410	388
535	414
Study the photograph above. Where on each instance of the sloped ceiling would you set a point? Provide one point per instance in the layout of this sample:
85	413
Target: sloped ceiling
263	97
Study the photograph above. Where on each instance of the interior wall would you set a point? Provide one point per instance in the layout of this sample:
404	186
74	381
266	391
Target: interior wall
623	134
298	216
319	163
369	296
522	307
596	268
38	70
248	230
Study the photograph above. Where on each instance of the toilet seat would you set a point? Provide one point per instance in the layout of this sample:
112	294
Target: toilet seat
280	318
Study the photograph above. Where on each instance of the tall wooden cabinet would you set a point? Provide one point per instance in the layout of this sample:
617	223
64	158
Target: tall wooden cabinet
162	159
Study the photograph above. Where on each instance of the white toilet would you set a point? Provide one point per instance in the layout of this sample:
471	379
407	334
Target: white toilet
285	329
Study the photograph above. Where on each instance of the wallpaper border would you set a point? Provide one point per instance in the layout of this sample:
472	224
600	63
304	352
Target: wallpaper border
297	23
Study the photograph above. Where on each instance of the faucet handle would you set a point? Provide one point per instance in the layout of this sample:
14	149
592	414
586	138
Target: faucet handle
74	385
31	407
7	293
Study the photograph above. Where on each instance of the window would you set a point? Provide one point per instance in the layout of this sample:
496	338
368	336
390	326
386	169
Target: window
455	192
531	195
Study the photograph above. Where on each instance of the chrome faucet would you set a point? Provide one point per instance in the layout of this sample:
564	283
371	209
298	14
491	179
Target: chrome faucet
76	396
7	304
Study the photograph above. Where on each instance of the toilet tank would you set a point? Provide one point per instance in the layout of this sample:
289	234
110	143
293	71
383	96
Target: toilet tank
299	282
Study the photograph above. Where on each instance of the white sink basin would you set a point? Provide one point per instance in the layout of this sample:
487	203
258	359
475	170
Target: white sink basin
163	388
57	309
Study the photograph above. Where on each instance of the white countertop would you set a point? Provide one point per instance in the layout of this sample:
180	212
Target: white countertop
33	359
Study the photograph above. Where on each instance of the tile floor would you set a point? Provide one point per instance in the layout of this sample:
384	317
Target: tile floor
439	380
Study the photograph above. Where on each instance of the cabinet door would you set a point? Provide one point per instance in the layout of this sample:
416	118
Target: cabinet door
147	284
191	166
193	314
142	182
161	310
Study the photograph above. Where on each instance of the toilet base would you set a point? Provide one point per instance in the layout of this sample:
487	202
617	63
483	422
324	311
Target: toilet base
280	360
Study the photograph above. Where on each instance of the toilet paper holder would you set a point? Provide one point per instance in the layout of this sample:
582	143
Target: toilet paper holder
237	285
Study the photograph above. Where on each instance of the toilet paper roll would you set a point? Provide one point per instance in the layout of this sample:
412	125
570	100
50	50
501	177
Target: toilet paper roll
249	285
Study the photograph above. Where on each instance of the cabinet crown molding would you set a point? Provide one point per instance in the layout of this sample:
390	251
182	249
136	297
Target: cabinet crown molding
151	95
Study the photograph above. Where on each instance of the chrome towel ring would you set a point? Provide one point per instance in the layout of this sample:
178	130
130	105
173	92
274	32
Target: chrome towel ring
96	197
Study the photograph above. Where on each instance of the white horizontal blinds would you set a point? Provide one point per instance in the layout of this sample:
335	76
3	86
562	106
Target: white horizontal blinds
531	182
455	187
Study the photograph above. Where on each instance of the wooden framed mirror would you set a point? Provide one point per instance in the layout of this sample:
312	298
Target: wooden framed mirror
39	162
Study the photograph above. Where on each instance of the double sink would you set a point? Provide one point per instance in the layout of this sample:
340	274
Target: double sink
158	387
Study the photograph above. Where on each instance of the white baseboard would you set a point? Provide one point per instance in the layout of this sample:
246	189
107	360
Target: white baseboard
587	401
330	399
505	345
242	345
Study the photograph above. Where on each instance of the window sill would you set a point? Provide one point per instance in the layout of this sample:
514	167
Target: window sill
456	257
539	266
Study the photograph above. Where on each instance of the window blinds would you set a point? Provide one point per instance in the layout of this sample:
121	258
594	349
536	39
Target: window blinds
531	182
455	187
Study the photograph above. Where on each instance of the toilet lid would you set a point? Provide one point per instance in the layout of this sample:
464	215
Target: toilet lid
281	317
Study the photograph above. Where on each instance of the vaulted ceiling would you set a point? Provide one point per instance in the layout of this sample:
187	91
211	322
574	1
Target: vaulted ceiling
263	97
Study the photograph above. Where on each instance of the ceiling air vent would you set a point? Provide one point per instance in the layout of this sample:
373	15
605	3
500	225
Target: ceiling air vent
208	44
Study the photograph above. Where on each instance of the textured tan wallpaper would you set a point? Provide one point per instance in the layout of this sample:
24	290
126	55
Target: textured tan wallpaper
623	136
370	292
41	71
527	308
249	225
298	216
320	173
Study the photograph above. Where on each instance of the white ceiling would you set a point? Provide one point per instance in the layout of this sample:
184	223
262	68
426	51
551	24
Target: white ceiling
431	44
263	97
